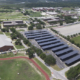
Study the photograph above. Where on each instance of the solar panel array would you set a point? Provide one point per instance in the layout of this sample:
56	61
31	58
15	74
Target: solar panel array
50	42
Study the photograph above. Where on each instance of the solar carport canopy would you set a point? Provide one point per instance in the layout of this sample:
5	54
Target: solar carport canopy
45	37
64	51
50	42
59	48
68	55
46	40
72	60
35	36
52	45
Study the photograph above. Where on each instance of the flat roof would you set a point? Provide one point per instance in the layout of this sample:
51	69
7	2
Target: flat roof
60	47
52	45
64	51
46	40
68	55
72	60
50	42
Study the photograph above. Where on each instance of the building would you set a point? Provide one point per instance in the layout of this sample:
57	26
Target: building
13	23
5	43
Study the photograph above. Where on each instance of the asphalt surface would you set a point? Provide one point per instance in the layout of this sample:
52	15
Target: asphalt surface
37	66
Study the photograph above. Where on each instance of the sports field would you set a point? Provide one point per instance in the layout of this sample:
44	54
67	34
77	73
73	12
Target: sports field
19	69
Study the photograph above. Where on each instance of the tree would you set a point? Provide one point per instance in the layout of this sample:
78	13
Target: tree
50	60
18	42
30	28
43	56
38	51
61	23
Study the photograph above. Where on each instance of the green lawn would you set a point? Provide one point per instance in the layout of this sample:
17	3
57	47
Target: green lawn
10	54
76	39
7	33
67	8
12	16
21	30
34	14
1	32
56	67
43	66
19	46
9	70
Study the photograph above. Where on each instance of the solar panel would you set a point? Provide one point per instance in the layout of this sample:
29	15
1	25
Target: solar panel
52	45
64	51
45	37
37	33
73	60
32	37
46	40
50	42
68	55
59	48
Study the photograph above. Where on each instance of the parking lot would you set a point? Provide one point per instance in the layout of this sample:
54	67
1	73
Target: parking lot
68	30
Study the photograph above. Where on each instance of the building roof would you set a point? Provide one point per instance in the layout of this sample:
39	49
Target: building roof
5	41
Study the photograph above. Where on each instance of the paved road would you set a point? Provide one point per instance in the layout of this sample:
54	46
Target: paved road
44	73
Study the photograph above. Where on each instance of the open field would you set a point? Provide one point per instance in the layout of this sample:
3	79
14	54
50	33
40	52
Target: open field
56	67
76	39
43	66
34	14
12	16
19	46
69	30
9	70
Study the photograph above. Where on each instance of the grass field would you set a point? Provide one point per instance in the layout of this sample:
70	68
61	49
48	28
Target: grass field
9	70
19	46
43	66
12	16
10	54
56	67
34	14
76	39
1	32
7	33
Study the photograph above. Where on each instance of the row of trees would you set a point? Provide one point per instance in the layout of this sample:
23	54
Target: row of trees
16	35
72	73
5	29
49	59
39	24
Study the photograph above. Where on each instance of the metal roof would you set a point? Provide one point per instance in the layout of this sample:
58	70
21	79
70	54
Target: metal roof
64	51
73	60
60	48
50	42
52	45
5	41
68	55
46	40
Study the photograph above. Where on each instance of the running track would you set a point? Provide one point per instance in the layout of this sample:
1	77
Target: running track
45	74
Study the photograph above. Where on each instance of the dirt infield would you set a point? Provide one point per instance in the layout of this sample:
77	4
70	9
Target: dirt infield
44	73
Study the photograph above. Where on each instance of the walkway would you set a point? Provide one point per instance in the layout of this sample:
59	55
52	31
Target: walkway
44	73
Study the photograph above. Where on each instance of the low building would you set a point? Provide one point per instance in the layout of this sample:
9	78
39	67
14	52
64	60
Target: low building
13	23
5	43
